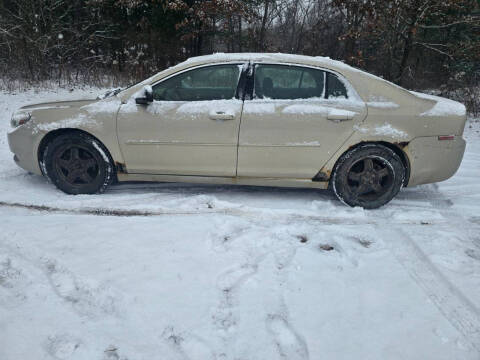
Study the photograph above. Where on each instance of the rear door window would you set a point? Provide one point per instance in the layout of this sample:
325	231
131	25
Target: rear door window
288	82
335	87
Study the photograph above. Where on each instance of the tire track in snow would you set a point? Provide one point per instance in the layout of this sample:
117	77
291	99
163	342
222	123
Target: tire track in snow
247	213
450	301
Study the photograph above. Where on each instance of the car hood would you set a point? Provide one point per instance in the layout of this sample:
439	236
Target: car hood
58	105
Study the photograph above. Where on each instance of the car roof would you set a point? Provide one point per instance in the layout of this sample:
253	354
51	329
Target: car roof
271	57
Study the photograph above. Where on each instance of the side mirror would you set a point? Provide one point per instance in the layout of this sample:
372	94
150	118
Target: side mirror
147	96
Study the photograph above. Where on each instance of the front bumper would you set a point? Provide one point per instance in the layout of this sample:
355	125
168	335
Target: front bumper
23	144
433	160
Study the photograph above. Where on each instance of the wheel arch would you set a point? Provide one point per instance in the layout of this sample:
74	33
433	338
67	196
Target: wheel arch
50	136
396	147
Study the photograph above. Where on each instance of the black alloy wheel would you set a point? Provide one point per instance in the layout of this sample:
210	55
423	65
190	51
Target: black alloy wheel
368	176
78	164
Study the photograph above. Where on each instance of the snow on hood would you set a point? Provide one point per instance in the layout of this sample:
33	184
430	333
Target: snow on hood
78	121
443	106
107	106
56	105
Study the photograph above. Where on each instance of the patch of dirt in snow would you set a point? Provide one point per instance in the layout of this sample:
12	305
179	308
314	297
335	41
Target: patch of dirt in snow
326	247
303	238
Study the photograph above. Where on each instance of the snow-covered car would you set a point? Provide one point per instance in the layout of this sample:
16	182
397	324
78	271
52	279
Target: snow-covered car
252	119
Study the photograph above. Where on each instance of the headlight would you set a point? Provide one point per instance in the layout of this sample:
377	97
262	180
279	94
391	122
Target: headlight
20	118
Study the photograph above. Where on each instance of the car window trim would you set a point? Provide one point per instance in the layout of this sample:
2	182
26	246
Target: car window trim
237	92
250	83
242	82
251	92
326	86
301	80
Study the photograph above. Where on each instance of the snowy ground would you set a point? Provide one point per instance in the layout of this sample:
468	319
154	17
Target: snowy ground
238	273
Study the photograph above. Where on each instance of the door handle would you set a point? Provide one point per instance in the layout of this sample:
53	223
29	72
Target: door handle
338	116
222	115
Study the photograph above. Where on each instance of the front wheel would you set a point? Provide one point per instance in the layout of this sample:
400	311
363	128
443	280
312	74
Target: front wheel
368	176
78	164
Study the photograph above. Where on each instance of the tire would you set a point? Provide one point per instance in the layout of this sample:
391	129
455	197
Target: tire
78	164
368	176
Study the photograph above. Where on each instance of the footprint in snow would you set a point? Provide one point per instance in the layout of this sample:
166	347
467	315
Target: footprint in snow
348	257
363	241
86	299
228	282
284	256
188	346
326	247
112	353
62	346
290	345
225	233
197	349
232	279
474	254
8	273
13	283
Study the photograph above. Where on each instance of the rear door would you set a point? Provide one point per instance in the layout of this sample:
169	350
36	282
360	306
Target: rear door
297	118
191	128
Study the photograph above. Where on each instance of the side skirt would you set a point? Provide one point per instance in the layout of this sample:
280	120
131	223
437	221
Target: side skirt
298	183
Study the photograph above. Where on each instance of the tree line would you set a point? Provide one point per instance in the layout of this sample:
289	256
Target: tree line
414	43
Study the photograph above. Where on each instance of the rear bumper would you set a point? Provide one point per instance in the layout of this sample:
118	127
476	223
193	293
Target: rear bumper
432	160
23	144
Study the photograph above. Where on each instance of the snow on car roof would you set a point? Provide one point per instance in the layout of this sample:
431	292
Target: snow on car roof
277	57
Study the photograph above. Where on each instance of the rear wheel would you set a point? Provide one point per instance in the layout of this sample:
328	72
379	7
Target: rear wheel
368	176
78	164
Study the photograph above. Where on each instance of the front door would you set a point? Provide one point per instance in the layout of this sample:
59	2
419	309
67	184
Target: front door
191	128
298	117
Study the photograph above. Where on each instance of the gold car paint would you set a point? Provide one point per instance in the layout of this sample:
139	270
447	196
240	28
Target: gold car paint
161	138
50	117
430	159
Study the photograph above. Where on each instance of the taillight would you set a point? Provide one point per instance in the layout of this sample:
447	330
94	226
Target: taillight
446	137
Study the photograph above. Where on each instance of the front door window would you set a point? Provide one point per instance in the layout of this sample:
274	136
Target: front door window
217	82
